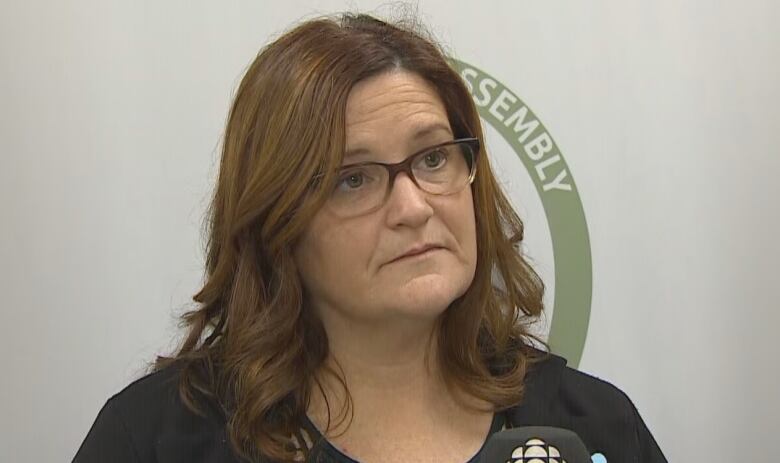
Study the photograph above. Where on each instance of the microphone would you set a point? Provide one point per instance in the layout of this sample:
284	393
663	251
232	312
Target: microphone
535	444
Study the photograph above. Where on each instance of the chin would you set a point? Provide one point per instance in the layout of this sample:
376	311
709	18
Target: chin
428	295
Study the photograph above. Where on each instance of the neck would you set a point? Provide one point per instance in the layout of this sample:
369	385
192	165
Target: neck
390	370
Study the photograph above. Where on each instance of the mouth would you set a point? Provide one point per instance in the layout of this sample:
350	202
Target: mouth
418	251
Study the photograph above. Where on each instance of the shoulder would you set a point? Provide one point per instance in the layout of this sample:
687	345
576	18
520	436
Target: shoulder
599	412
552	385
148	421
157	388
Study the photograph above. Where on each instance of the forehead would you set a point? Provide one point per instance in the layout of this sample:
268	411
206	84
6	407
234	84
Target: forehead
392	105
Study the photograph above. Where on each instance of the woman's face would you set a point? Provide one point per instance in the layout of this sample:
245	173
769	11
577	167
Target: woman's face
353	266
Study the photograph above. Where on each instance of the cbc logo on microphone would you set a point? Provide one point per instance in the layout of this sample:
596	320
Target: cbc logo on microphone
537	451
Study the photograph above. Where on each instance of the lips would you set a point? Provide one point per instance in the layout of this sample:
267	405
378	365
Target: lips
417	250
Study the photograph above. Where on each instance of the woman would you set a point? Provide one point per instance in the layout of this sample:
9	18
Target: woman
365	298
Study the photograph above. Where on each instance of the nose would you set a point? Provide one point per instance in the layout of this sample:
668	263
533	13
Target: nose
407	204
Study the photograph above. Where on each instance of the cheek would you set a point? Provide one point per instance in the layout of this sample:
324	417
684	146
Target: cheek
463	225
346	252
471	238
332	258
309	257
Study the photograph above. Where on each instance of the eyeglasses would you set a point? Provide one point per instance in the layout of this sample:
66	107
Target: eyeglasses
443	169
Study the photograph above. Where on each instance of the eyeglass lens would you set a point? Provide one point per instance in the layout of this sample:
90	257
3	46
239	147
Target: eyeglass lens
441	170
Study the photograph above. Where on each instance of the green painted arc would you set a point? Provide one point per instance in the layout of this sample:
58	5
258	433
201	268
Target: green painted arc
568	229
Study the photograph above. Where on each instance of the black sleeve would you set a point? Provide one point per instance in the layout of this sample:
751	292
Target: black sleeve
107	440
649	452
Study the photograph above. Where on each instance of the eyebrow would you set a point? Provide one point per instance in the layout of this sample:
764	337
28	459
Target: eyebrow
420	133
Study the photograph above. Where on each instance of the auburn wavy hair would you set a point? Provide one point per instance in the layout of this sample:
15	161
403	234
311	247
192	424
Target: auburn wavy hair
251	344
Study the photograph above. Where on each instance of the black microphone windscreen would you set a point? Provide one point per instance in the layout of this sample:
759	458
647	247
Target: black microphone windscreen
535	444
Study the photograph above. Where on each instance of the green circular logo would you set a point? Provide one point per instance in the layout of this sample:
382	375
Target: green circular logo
541	156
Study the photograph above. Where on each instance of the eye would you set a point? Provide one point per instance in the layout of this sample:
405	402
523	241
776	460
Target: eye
353	179
434	159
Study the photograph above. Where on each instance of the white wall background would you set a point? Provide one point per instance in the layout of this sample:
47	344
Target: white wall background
667	113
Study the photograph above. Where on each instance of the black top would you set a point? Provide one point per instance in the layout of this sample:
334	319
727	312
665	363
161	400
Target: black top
148	423
330	454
